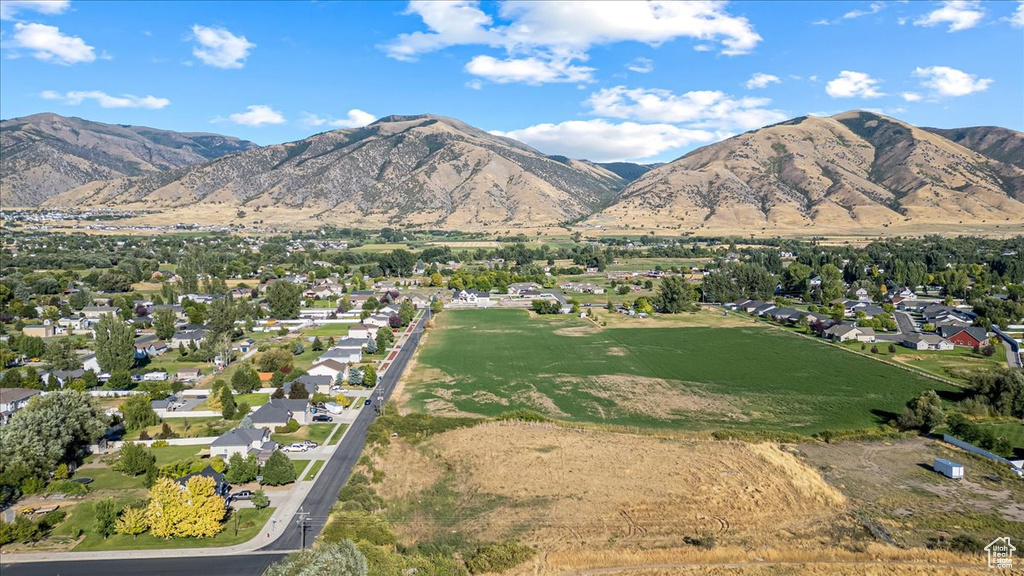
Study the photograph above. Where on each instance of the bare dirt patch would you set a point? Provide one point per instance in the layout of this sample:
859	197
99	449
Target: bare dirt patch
578	331
656	397
595	489
616	351
541	402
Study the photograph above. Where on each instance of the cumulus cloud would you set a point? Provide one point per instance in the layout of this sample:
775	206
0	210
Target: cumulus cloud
74	98
565	31
354	119
530	70
641	65
761	80
851	84
702	109
946	81
9	8
220	48
959	14
1017	18
911	96
257	115
48	44
604	141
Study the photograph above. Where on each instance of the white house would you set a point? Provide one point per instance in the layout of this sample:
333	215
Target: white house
329	367
362	331
12	400
242	441
89	362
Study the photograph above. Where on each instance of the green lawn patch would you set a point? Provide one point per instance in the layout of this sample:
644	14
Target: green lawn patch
311	475
254	399
167	454
315	432
336	438
693	378
107	478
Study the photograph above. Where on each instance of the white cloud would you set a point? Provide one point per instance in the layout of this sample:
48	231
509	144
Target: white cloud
530	70
219	47
74	98
853	84
946	81
560	32
959	14
1017	19
911	96
257	115
475	84
705	109
873	8
10	8
355	118
641	65
603	141
761	80
48	44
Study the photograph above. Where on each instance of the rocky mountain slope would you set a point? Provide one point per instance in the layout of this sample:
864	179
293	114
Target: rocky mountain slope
849	172
414	169
1000	144
45	154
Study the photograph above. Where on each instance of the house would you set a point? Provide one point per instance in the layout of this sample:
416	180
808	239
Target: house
870	311
188	374
245	346
329	367
179	311
843	333
378	320
814	282
94	312
862	295
187	337
737	304
44	330
220	485
359	297
160	376
89	362
971	337
319	293
12	400
906	293
65	376
240	293
764	309
419	302
926	342
362	332
313	384
243	441
279	411
471	296
166	405
73	325
517	288
345	352
149	347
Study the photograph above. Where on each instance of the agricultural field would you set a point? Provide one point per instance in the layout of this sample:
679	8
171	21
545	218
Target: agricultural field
691	372
571	495
638	264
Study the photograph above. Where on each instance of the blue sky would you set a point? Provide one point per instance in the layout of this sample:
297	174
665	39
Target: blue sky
640	81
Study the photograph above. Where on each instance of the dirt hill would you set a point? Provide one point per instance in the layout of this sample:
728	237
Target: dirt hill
852	171
44	155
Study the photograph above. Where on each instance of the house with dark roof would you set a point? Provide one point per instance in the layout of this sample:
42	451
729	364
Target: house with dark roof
312	383
187	337
279	411
330	368
14	399
970	337
243	441
220	484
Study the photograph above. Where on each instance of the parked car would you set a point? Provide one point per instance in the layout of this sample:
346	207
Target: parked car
296	447
322	418
309	444
242	495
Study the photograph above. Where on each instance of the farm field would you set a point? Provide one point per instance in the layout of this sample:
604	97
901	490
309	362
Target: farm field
674	374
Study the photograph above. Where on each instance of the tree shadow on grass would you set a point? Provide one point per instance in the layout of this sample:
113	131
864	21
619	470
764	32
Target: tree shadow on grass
883	416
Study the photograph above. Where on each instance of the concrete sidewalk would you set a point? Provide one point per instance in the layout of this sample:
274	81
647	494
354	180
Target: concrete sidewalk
285	507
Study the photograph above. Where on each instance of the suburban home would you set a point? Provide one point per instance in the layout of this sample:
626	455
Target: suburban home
362	331
94	312
73	325
329	367
972	336
312	383
189	374
862	295
378	320
521	287
319	293
44	330
149	347
359	297
89	362
843	333
220	485
179	311
241	293
187	337
165	405
814	282
160	376
279	411
243	441
764	309
737	304
471	296
198	298
870	311
926	342
65	376
12	400
419	302
349	351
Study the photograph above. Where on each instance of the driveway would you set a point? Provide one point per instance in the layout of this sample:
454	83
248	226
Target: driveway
905	322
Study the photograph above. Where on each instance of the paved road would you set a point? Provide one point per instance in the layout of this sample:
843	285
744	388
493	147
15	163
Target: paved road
318	504
905	322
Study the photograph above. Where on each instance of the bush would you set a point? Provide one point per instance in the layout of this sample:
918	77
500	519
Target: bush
289	428
259	499
133	459
523	415
160	444
498	557
360	527
342	558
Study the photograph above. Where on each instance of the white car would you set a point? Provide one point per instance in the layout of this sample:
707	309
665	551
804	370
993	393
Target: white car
296	447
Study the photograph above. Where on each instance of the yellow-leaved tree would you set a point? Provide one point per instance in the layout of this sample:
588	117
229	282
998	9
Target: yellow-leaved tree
132	521
193	510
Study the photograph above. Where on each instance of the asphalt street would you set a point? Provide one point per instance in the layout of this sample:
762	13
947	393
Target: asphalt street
317	505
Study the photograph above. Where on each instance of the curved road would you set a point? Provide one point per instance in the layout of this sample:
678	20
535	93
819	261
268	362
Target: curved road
317	504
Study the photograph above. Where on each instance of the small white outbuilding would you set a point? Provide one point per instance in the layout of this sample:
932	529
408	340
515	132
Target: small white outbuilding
948	468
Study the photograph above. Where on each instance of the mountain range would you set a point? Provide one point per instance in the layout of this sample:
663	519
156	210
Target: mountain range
848	173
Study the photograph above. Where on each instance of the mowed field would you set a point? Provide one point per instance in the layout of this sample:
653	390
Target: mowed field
651	374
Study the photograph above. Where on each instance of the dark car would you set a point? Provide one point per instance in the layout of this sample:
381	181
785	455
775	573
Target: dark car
367	403
322	418
242	495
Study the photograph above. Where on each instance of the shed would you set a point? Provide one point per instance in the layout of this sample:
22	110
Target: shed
948	468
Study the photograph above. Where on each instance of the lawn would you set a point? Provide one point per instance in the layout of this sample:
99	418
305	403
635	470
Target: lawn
187	427
250	522
337	435
311	475
1012	430
315	432
950	363
651	374
324	331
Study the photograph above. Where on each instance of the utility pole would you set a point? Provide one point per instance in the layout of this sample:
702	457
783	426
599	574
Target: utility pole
302	525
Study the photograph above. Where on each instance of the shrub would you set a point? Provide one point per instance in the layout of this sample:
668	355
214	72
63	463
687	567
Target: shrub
278	470
160	444
289	428
523	415
259	499
21	530
498	557
360	527
342	558
133	459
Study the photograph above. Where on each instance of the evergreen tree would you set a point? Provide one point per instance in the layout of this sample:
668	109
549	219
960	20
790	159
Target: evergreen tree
278	470
227	404
115	350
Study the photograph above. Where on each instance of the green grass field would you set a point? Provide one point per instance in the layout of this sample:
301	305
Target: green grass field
315	432
314	469
692	378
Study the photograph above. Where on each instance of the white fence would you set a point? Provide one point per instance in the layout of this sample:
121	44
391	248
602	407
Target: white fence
1016	466
114	446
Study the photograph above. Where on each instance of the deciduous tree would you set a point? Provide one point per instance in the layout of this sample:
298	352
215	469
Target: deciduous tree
195	511
115	339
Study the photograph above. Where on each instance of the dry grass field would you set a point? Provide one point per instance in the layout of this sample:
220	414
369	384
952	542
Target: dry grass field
593	502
